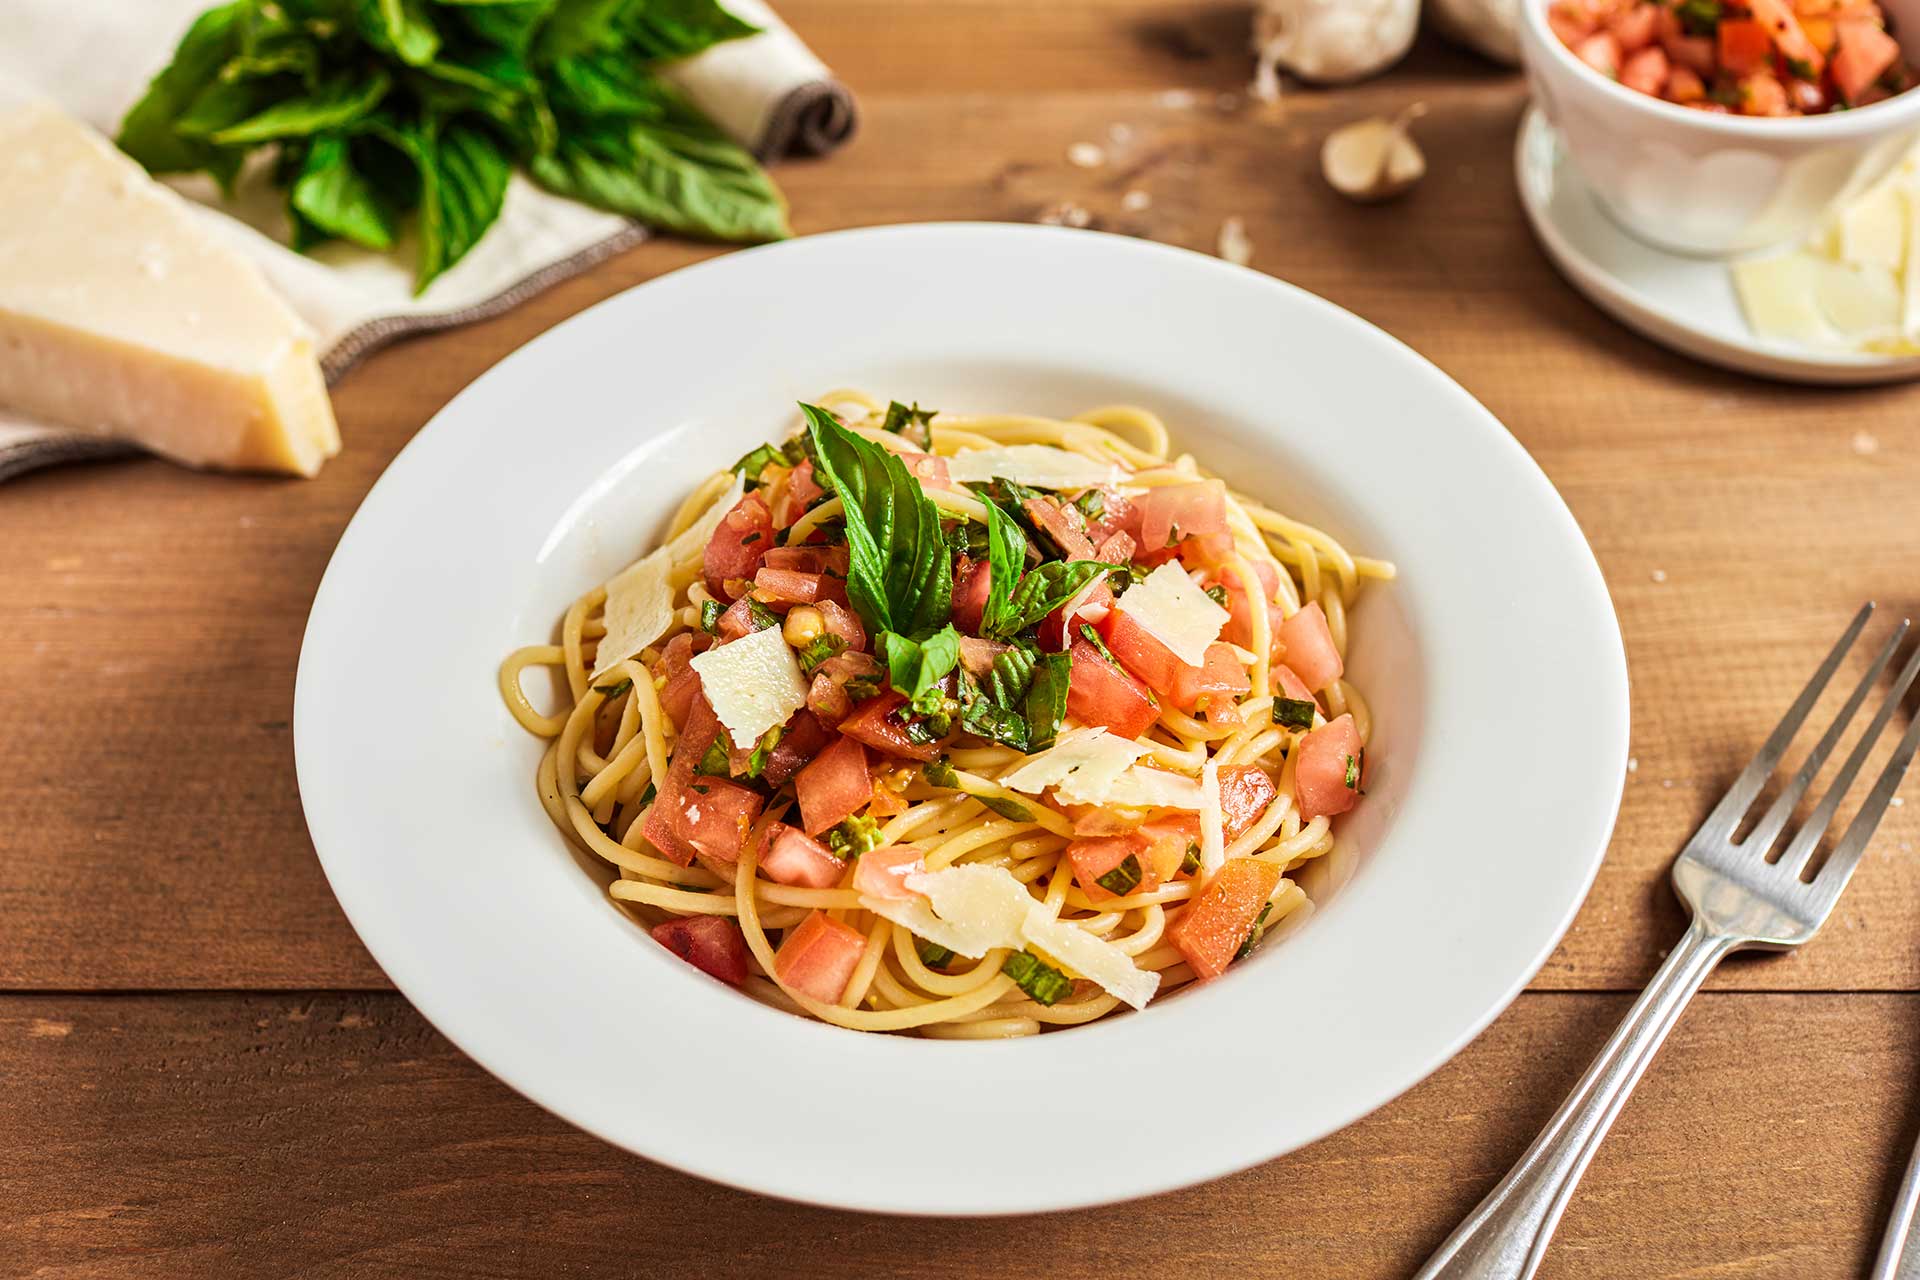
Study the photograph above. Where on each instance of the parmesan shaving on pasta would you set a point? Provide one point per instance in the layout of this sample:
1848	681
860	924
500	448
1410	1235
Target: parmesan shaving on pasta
640	597
1093	958
1081	766
752	684
1172	608
1039	465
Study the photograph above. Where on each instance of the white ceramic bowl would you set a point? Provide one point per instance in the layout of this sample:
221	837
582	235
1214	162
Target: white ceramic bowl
1700	183
1494	667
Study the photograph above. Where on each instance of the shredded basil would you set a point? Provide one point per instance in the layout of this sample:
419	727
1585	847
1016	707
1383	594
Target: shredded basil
994	719
932	954
714	763
1293	713
753	463
710	611
818	650
757	762
1254	934
1699	17
647	797
1093	638
1217	594
615	689
1352	782
1092	504
758	615
940	773
1191	863
1123	879
1040	980
1046	704
910	424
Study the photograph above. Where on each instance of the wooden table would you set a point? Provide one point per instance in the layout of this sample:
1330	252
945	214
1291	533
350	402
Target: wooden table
202	1073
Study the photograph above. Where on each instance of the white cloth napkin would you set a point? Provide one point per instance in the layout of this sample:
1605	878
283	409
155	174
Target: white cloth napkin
94	59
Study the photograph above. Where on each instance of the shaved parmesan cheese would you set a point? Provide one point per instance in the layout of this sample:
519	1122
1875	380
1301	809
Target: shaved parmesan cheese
978	909
1910	306
1859	301
1777	295
1112	969
640	597
1154	788
971	939
1039	465
1213	824
753	684
1873	230
1082	765
1170	606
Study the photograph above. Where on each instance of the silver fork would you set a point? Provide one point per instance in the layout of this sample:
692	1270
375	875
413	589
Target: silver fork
1739	900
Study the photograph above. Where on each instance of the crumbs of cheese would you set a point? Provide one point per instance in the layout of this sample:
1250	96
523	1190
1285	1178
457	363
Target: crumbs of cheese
1081	766
1170	606
1213	824
753	683
1144	787
1040	465
1091	957
640	597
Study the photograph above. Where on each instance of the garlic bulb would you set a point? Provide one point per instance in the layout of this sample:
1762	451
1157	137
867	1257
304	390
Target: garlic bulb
1490	26
1374	159
1329	41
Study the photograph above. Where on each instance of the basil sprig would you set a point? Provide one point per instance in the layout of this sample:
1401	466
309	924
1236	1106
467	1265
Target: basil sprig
1017	600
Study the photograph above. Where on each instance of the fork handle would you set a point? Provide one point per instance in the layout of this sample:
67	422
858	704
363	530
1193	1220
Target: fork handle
1506	1236
1900	1248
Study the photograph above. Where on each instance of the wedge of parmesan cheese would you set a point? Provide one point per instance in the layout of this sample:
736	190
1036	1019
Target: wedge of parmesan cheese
1170	606
124	313
1093	958
1040	466
639	604
753	683
1082	766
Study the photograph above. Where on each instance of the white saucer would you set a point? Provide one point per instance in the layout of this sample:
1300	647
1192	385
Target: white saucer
1684	303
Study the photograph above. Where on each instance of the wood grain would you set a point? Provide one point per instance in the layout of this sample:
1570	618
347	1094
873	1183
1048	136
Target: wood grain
337	1135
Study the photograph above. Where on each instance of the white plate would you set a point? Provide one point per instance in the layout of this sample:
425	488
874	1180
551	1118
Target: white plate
1494	666
1684	303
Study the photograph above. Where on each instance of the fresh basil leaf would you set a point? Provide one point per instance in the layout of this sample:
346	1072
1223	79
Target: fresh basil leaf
1006	561
576	26
1046	704
509	25
606	82
1040	980
910	423
994	721
667	30
916	668
463	183
899	576
221	105
401	28
338	199
149	132
337	102
1011	675
1037	594
818	650
753	463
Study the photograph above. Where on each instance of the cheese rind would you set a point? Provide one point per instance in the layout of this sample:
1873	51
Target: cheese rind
122	315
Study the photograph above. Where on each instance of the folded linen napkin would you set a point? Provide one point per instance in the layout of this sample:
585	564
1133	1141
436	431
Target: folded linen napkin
95	57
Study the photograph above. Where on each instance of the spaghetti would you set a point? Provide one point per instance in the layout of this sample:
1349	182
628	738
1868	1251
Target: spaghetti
975	727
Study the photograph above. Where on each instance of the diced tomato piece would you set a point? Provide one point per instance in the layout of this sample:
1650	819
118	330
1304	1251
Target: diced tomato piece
1239	628
802	491
1100	693
834	786
1089	604
1095	858
841	622
1094	820
882	873
828	560
1684	86
972	583
1310	650
801	742
1139	652
1191	509
1821	31
711	944
1220	677
1571	22
1204	551
1762	94
1067	527
1783	28
1601	52
930	469
818	957
783	588
794	857
661	828
977	656
715	814
1292	686
1744	46
1116	512
682	681
1864	53
873	723
1644	72
828	700
1634	26
737	546
1117	548
1169	840
1215	925
1246	792
736	620
1328	757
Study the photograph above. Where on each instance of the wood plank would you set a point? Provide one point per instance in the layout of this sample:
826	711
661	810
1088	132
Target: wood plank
339	1135
150	618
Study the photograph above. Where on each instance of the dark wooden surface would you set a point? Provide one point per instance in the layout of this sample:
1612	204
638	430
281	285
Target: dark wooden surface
207	1075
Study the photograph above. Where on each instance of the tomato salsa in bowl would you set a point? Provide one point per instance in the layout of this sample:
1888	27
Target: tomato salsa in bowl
1744	57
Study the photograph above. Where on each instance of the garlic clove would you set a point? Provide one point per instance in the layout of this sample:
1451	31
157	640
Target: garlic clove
1376	159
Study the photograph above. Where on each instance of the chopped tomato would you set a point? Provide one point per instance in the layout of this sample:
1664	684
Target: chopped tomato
833	786
882	873
737	546
1096	820
1310	650
711	944
802	491
977	656
1821	31
1246	791
1138	650
1864	54
1744	46
1205	550
843	625
794	857
1645	71
1601	52
1063	524
1115	514
972	583
1220	679
737	620
782	588
682	681
1101	693
930	469
1191	509
1117	548
661	827
1634	27
1090	604
1239	628
873	723
827	696
1685	86
1777	18
1095	858
818	957
828	560
1571	22
1762	94
1327	775
1216	924
800	742
886	801
1169	840
1292	686
714	815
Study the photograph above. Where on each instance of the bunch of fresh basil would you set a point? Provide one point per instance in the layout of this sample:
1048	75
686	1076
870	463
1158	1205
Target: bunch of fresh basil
378	109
